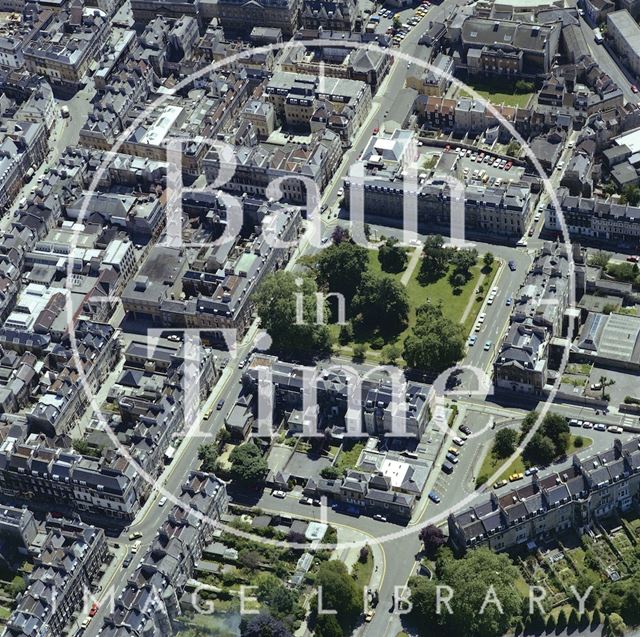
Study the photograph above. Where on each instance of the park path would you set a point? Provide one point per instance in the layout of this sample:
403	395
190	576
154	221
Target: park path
408	273
472	299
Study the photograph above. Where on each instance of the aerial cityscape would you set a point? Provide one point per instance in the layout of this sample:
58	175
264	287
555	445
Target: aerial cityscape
319	318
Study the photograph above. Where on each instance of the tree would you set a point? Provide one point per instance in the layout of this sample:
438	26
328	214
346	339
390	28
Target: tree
251	560
522	86
436	342
457	279
631	195
551	623
359	351
339	593
556	428
346	333
340	234
330	473
488	260
248	465
264	625
276	304
16	586
423	598
513	148
573	620
435	259
383	303
208	456
617	626
474	574
391	256
340	268
539	450
433	538
328	626
390	354
529	420
599	259
463	260
397	22
505	442
364	554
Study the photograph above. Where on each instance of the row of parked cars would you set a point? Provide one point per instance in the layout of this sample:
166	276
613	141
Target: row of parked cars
596	426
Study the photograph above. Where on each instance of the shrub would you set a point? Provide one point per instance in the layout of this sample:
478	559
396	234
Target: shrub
578	442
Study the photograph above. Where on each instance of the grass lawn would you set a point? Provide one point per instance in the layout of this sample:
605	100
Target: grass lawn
362	571
440	291
497	91
348	458
491	464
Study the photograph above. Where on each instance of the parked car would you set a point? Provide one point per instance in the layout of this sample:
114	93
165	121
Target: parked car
136	547
451	458
499	484
127	560
487	346
514	477
508	301
447	468
306	500
634	88
317	502
162	501
512	265
614	429
94	609
472	340
276	493
220	404
600	427
589	425
379	517
465	429
434	497
574	423
531	471
134	536
454	451
458	441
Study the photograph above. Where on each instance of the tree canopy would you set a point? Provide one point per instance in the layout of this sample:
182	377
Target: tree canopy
505	442
264	625
208	456
339	593
276	305
391	256
436	342
340	268
470	578
435	259
382	302
248	465
549	442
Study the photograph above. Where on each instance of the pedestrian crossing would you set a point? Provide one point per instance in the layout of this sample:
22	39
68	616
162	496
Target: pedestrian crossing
629	421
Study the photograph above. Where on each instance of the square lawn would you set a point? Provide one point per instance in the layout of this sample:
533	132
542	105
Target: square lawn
500	91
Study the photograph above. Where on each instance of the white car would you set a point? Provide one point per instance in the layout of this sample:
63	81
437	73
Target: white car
614	429
279	494
162	501
458	441
340	192
379	517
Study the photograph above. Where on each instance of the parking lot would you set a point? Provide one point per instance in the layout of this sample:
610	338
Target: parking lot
486	169
410	19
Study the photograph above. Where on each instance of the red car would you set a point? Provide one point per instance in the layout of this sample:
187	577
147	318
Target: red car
375	131
508	165
633	259
634	88
94	610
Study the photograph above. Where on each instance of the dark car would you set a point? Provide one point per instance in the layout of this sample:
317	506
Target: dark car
447	468
127	560
512	265
451	458
220	404
434	497
465	429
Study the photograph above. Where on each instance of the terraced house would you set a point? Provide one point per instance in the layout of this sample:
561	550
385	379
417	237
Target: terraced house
576	497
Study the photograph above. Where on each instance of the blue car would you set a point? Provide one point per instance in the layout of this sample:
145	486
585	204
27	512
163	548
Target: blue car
434	497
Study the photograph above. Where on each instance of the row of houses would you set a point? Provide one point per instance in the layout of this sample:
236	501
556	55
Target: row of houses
152	596
576	497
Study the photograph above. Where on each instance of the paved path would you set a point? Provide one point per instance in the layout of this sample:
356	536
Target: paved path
415	259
